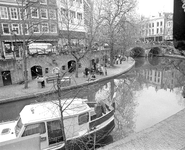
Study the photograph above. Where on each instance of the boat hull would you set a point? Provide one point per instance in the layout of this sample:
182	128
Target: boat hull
92	139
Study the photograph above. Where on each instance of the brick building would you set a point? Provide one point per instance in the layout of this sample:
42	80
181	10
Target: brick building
41	24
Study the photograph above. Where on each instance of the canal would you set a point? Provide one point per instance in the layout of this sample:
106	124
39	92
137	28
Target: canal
149	93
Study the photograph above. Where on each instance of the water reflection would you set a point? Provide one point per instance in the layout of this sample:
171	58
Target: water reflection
146	95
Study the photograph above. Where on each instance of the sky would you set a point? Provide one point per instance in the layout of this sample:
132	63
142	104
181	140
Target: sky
152	7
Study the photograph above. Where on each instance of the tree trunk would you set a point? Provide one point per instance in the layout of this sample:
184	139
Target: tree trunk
61	112
77	66
24	52
111	54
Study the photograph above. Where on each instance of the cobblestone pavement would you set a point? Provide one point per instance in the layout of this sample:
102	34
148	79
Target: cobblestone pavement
15	92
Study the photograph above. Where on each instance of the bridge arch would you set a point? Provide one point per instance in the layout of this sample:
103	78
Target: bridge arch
137	52
155	51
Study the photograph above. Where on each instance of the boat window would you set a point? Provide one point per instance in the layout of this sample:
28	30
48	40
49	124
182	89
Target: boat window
34	129
83	118
18	126
54	132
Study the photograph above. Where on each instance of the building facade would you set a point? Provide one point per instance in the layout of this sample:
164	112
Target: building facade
71	23
45	22
157	29
40	19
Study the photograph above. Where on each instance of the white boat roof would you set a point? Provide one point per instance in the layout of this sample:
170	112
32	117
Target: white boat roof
50	110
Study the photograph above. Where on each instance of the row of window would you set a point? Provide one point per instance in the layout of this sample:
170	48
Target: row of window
44	2
151	25
71	14
54	128
71	2
16	13
34	28
151	31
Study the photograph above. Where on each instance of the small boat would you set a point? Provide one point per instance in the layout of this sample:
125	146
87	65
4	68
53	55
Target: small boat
84	122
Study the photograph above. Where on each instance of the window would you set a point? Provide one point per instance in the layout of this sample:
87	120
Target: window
24	13
83	118
64	12
3	13
34	13
79	16
45	28
152	31
26	29
13	13
15	28
63	67
6	28
52	14
34	129
54	132
72	14
161	23
18	127
161	30
43	13
53	28
36	28
46	70
152	24
157	24
157	30
43	1
159	74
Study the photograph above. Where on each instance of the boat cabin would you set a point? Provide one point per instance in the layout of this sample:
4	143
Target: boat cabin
80	120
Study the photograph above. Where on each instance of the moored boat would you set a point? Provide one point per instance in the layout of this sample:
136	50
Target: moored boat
84	122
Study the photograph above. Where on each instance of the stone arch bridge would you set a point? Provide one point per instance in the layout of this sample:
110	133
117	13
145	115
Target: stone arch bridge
148	50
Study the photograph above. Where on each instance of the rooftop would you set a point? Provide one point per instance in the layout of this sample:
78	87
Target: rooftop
50	110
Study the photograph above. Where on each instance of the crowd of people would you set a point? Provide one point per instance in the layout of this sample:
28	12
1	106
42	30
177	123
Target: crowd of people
91	73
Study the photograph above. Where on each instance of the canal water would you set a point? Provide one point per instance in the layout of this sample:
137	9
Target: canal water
149	93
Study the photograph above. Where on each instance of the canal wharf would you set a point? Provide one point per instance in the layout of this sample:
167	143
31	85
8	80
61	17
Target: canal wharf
18	92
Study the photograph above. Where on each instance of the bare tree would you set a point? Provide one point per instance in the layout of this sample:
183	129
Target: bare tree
26	10
114	12
71	23
128	33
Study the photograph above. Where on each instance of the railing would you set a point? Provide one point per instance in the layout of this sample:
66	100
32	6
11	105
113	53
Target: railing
100	120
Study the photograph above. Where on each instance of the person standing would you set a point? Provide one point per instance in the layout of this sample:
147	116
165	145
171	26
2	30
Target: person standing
105	70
